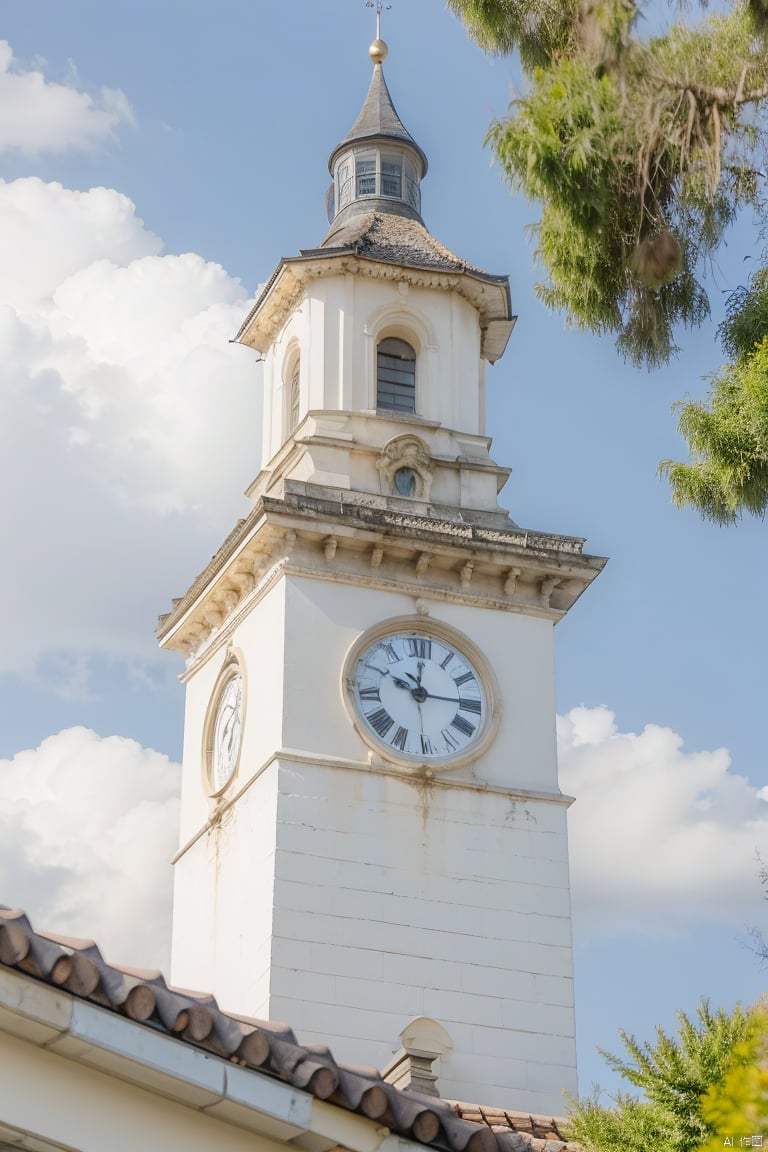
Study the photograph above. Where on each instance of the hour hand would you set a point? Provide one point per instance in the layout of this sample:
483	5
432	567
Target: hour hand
401	683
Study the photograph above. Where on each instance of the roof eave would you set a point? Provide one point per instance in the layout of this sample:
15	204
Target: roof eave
497	309
101	1041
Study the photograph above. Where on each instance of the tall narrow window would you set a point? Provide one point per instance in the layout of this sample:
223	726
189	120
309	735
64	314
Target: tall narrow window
391	176
365	170
395	376
294	397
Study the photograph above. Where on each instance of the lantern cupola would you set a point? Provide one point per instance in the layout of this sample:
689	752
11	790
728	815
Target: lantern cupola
378	166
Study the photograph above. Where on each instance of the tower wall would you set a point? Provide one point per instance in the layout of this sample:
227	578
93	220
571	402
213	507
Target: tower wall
335	329
396	898
346	896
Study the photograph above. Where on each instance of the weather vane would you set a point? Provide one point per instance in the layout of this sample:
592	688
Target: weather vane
380	7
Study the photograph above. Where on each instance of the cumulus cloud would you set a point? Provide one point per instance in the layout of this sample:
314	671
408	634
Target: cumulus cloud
129	426
659	836
38	115
88	826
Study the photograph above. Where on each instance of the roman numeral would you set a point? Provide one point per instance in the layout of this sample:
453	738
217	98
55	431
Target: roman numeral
450	741
462	725
420	646
426	746
399	738
459	680
470	706
380	721
392	656
446	662
370	694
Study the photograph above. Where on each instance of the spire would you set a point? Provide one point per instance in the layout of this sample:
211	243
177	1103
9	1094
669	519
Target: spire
378	166
378	115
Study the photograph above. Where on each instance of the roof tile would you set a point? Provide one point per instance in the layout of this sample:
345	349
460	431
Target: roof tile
266	1047
398	240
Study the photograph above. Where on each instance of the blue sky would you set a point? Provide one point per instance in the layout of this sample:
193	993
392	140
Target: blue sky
130	429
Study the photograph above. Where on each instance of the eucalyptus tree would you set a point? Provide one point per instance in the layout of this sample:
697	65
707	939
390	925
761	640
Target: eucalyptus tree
641	150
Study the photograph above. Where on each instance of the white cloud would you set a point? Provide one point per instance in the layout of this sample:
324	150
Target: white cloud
659	836
88	827
38	115
129	426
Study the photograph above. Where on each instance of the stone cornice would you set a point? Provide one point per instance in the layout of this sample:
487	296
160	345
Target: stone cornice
289	280
341	541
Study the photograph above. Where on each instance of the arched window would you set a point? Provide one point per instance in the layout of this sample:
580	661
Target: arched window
395	376
293	399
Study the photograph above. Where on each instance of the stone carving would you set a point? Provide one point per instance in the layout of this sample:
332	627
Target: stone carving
510	584
406	455
547	587
329	547
422	564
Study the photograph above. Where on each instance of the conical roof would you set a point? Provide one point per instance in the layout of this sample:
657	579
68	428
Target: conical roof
378	117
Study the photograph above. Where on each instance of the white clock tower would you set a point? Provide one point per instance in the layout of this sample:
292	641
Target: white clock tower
373	840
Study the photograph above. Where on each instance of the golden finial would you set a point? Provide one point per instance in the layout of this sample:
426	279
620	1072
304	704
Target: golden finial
378	51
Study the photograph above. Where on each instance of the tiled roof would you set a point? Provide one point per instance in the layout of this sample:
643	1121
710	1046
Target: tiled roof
399	240
78	967
530	1133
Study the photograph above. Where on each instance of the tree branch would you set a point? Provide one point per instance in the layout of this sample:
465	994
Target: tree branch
713	93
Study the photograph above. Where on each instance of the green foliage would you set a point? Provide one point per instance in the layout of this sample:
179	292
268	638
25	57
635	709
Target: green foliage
641	152
746	322
538	29
728	439
737	1106
635	149
673	1074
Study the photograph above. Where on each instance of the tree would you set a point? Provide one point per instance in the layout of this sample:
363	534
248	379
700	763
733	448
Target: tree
641	152
674	1074
737	1107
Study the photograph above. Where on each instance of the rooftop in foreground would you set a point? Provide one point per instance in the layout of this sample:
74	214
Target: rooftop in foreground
263	1049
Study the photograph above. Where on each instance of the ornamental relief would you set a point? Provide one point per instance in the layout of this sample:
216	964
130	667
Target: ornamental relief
405	466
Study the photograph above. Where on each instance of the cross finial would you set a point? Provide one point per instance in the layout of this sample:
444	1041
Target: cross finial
380	7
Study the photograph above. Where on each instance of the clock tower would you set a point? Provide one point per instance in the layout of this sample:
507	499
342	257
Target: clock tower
373	840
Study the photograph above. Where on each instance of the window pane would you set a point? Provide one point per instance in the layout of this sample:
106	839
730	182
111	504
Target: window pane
344	181
294	398
396	376
391	179
366	177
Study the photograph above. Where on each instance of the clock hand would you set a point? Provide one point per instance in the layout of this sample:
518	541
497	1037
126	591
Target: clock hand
450	699
401	683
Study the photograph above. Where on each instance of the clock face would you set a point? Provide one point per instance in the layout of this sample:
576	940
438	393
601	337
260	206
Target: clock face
226	733
419	696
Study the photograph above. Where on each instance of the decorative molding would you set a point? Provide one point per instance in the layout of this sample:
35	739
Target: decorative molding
422	564
510	584
381	547
329	548
407	452
296	756
546	588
